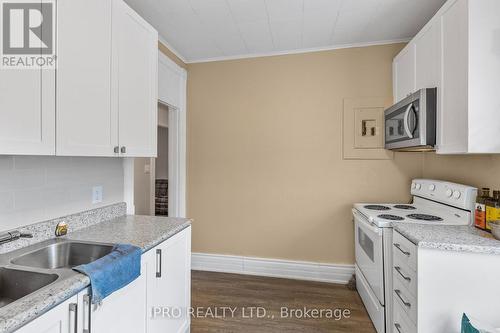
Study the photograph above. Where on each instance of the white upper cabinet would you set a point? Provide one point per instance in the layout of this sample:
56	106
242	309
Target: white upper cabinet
427	64
170	80
106	80
457	52
86	123
27	116
404	73
135	68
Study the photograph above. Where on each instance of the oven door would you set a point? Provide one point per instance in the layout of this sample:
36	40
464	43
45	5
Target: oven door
369	253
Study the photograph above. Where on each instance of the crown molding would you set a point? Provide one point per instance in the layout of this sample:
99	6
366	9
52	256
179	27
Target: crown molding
171	48
299	51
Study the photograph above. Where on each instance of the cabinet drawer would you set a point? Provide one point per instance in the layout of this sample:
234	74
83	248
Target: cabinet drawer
402	323
402	272
405	300
405	249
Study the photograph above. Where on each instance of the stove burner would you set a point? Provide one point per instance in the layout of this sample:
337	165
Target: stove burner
407	207
391	217
424	217
377	207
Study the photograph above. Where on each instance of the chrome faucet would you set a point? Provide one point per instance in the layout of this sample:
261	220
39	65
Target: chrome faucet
13	235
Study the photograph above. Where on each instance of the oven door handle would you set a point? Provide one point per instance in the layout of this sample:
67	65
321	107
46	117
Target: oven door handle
365	223
406	122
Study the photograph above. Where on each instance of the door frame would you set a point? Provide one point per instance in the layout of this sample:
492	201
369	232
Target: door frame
176	148
176	154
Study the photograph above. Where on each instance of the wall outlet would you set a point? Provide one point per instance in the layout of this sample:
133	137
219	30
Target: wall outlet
96	194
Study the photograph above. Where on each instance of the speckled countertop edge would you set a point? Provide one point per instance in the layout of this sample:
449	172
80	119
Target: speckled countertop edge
449	238
143	231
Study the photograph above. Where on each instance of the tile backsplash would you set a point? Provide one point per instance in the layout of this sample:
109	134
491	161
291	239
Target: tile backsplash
36	188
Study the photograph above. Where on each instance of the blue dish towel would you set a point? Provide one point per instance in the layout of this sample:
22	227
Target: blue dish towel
113	271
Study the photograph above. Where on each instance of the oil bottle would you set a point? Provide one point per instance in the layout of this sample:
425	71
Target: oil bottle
492	209
480	211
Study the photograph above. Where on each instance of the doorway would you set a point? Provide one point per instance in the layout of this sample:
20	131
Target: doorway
159	183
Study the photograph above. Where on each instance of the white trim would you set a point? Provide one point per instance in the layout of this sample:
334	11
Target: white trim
169	46
298	270
128	184
299	51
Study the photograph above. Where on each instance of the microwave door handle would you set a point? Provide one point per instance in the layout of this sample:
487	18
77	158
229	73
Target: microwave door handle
405	122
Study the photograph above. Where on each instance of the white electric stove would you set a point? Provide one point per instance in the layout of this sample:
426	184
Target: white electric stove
434	202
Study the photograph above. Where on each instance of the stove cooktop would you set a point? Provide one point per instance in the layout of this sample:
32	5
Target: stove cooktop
391	217
377	207
424	217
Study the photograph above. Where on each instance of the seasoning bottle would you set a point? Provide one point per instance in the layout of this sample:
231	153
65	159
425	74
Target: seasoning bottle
480	211
492	209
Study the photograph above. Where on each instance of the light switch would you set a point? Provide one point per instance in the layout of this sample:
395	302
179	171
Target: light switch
147	169
368	124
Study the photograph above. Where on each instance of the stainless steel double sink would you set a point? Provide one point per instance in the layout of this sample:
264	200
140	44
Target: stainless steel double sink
33	268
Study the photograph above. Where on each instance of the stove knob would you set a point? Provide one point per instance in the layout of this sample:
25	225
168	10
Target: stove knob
413	186
432	187
418	186
457	194
449	193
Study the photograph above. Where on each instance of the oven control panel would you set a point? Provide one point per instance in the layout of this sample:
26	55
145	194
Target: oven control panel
456	195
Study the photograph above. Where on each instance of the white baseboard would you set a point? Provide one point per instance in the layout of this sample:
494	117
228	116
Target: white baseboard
298	270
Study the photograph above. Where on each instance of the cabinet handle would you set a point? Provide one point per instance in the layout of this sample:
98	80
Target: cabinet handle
86	314
73	320
158	263
116	150
398	269
401	249
123	150
398	327
398	293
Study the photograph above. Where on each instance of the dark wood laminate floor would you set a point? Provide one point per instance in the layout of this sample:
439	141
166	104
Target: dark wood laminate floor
212	292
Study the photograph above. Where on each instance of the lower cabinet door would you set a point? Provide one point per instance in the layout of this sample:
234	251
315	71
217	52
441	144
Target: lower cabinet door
61	319
169	285
123	311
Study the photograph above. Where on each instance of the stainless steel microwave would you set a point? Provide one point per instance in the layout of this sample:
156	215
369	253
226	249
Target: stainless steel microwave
410	125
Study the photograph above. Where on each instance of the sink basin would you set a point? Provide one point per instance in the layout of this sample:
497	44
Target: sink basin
15	284
63	255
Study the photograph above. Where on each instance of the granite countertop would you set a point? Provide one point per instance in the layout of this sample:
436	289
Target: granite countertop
143	231
449	238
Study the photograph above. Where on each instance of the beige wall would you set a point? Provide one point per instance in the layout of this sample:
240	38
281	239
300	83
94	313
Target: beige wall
475	170
265	171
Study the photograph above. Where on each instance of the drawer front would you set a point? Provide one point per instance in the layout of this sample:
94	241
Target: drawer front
402	323
406	249
405	300
402	272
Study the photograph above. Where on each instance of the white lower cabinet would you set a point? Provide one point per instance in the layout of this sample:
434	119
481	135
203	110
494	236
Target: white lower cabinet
404	286
156	302
61	319
169	284
122	311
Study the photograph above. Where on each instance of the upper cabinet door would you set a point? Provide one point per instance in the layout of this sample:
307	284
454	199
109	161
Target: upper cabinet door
404	73
87	125
427	48
27	112
453	128
169	81
135	66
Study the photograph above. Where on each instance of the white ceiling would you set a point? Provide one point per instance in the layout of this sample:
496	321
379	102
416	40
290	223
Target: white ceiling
201	30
